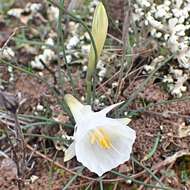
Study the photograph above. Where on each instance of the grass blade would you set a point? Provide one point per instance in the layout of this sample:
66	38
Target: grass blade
73	178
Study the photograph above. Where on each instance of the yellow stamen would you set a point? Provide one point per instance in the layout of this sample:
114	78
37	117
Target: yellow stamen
92	138
101	137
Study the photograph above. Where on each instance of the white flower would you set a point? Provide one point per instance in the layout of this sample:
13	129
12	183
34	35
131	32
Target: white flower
100	143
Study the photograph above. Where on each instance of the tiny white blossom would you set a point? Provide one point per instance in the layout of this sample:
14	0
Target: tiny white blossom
100	64
172	23
69	58
84	68
7	53
102	72
10	69
184	59
73	27
39	107
100	143
181	19
154	23
158	35
168	79
176	72
148	68
34	178
179	87
72	42
160	12
34	7
173	43
46	57
144	3
167	2
85	49
179	3
36	64
49	42
53	13
176	28
16	12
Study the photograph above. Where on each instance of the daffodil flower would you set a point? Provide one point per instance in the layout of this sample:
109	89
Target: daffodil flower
100	143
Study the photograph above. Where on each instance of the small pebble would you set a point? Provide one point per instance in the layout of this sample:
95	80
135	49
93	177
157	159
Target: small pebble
34	178
39	107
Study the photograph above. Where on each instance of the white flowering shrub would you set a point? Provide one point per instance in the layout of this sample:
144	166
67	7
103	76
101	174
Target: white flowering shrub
168	21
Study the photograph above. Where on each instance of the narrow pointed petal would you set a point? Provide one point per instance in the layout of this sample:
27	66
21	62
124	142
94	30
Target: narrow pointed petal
125	120
109	108
70	152
75	106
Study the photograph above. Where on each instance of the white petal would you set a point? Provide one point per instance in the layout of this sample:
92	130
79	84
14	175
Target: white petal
172	22
91	122
70	152
125	120
100	160
78	110
109	108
